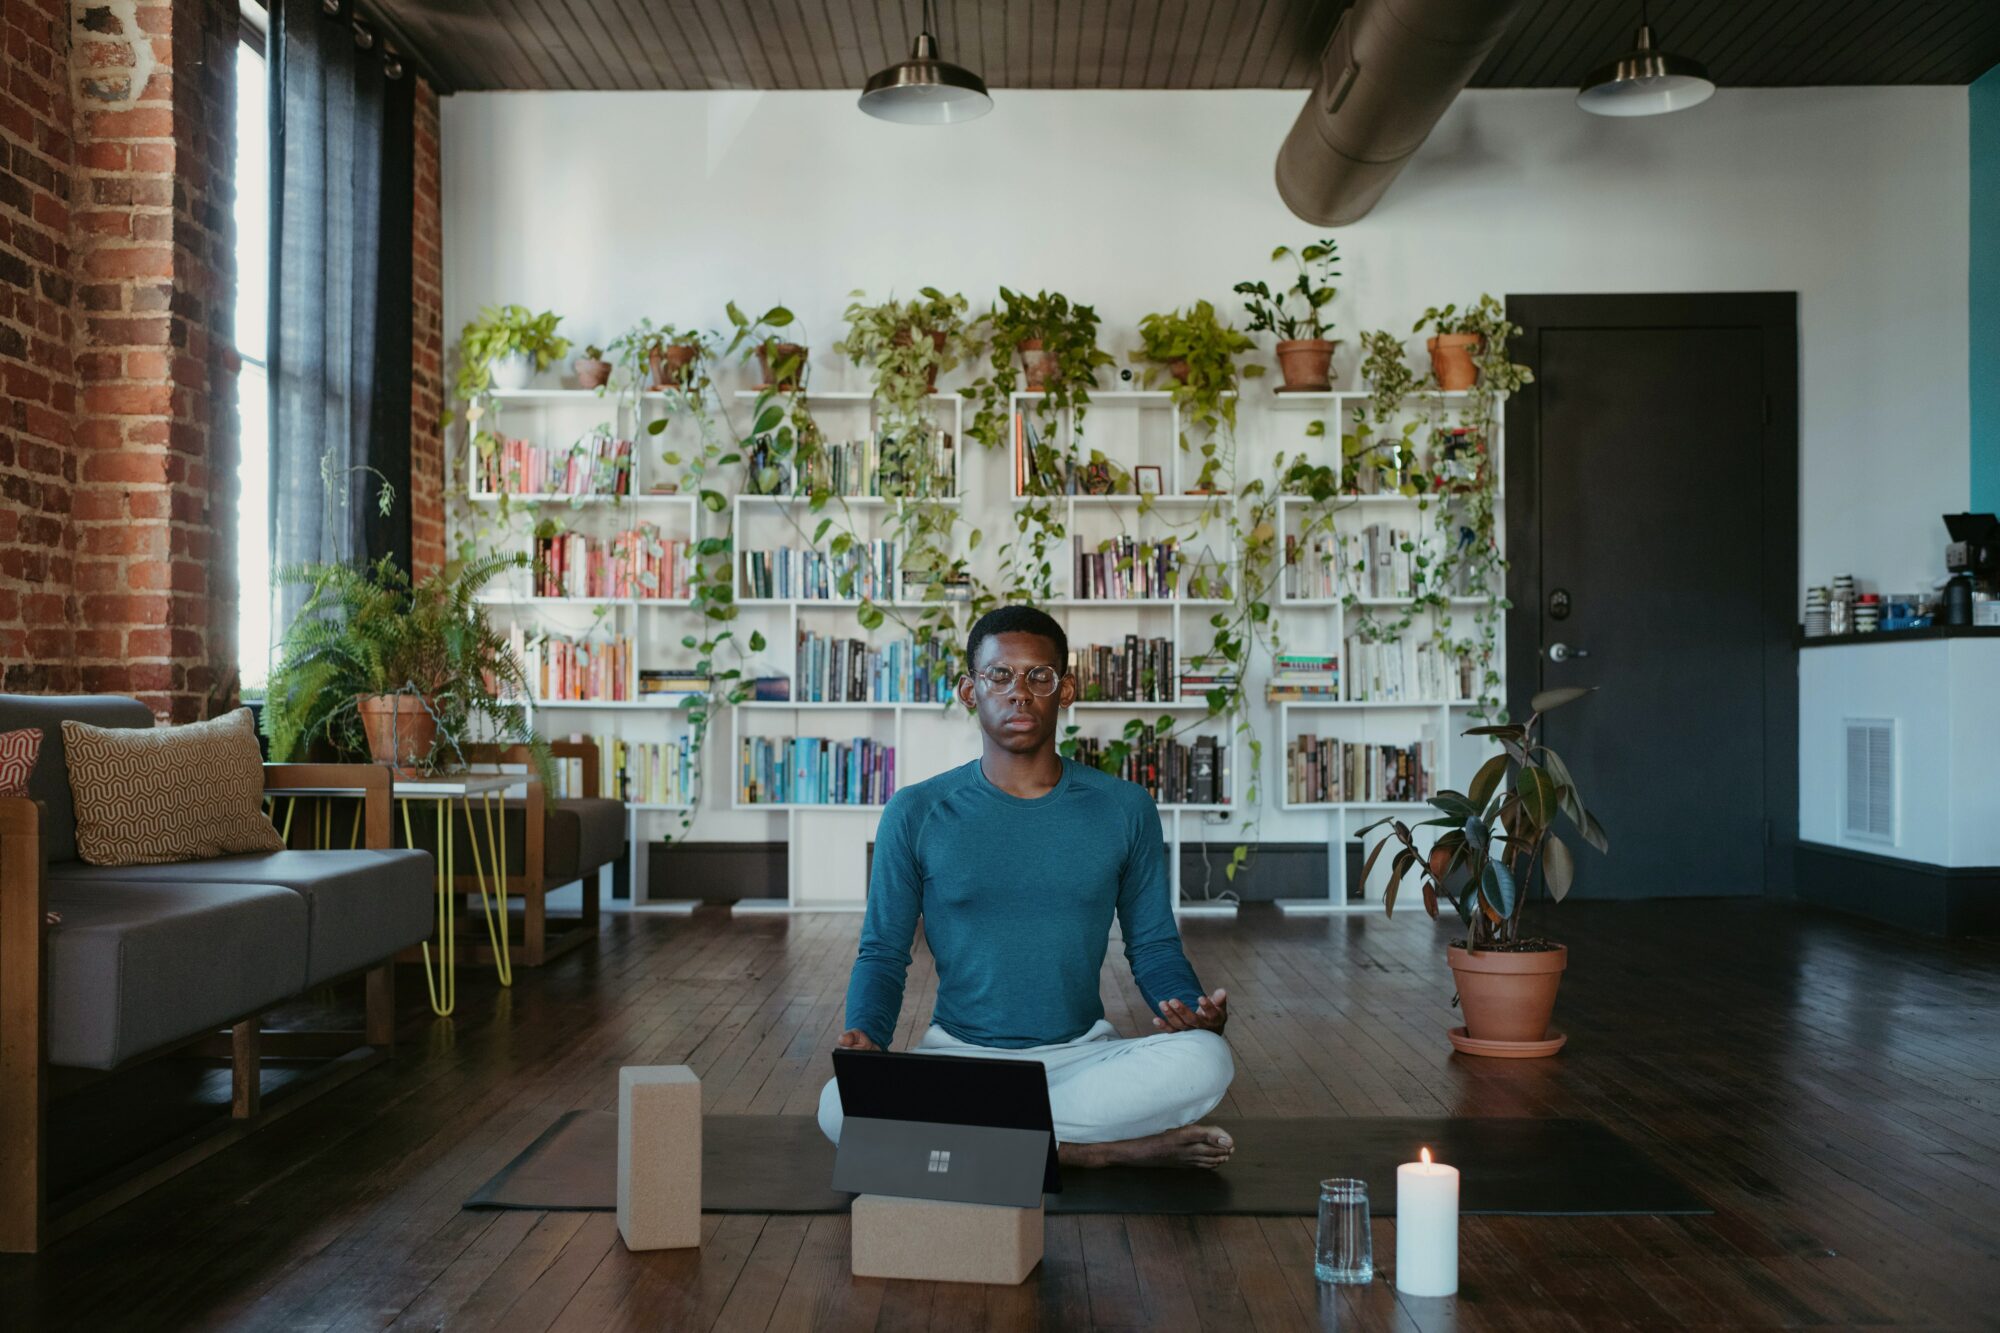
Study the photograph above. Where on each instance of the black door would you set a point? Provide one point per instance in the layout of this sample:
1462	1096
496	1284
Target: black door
1652	505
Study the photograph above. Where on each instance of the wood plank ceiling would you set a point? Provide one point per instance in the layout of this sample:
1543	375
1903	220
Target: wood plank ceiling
710	44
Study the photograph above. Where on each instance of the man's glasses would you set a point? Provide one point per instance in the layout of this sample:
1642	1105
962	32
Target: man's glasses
1042	680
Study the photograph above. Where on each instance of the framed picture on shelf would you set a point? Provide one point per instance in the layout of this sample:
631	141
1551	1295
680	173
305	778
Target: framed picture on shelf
1146	480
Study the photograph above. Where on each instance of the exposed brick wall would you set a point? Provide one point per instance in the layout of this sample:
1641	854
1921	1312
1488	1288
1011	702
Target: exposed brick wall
427	392
123	456
37	374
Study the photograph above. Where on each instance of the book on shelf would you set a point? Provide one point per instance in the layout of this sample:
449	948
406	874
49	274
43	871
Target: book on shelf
636	563
1303	676
1172	771
563	669
1328	771
863	469
812	770
864	570
597	464
671	685
1142	671
1126	570
640	772
831	670
1404	671
771	689
917	585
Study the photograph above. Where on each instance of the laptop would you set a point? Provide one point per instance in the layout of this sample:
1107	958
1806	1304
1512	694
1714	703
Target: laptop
952	1127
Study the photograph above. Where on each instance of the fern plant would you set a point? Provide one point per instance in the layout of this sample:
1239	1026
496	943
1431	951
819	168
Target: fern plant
368	630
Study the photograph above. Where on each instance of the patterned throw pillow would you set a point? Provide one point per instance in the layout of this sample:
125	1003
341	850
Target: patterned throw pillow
18	752
149	796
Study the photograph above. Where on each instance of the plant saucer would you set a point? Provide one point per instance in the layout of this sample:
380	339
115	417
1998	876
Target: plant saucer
1507	1050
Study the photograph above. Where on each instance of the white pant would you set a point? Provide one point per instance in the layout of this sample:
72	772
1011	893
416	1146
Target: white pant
1103	1088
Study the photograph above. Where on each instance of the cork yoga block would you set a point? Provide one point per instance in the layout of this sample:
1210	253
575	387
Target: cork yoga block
927	1240
659	1157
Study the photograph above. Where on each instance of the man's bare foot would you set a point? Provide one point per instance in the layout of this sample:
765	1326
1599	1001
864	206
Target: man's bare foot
1191	1145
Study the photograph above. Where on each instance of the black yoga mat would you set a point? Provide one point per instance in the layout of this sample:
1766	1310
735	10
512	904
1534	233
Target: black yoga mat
781	1164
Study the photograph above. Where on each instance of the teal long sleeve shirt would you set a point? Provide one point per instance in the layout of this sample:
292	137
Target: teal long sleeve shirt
1017	897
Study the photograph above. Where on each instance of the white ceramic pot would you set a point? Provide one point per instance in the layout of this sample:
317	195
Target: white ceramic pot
512	371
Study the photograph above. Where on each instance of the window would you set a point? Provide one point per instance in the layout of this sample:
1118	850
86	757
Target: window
253	231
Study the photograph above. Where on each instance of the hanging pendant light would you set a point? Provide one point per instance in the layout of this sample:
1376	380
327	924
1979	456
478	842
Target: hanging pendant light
925	90
1645	81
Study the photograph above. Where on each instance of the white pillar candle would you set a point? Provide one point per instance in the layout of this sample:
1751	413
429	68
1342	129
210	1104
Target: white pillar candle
1426	1228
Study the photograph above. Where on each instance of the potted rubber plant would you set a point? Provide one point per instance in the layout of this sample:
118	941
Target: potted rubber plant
505	347
405	672
1461	343
1498	836
1292	313
782	364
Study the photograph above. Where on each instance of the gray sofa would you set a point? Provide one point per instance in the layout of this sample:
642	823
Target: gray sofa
142	960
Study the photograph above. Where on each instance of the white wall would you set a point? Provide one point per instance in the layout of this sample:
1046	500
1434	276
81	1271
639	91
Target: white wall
608	206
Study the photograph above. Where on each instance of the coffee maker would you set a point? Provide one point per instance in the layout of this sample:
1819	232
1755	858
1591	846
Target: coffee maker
1972	557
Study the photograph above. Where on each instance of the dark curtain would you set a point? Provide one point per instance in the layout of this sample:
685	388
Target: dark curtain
340	350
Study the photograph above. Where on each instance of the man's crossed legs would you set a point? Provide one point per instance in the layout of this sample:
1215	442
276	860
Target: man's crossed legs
1115	1101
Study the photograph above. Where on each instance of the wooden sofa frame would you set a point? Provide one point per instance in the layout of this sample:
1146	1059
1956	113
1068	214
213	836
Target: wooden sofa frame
531	886
27	1221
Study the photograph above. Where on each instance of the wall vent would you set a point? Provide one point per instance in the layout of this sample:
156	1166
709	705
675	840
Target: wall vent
1871	779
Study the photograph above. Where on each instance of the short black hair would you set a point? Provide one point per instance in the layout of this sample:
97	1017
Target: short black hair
1017	620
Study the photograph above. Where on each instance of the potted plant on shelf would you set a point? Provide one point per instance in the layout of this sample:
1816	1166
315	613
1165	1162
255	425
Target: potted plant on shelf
1461	344
781	364
909	343
592	370
505	348
403	672
1055	340
659	357
1305	353
1498	834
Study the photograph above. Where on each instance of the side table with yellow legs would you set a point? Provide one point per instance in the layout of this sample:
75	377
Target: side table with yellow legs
479	799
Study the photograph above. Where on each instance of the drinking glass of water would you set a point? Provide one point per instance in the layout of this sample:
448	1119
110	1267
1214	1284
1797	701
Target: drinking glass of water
1346	1250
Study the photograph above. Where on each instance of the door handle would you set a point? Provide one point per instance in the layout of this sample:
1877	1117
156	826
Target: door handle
1562	652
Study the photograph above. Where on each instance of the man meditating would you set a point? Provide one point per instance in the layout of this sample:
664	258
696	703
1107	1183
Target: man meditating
1016	863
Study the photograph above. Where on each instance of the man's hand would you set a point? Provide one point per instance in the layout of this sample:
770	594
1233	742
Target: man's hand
1209	1015
854	1039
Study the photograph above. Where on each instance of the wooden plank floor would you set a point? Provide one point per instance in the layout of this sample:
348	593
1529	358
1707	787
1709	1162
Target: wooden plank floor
1833	1089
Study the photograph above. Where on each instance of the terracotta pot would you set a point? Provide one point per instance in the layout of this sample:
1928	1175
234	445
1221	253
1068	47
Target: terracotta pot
1040	366
1306	363
401	730
1508	996
591	374
668	364
1451	360
1178	368
783	353
937	340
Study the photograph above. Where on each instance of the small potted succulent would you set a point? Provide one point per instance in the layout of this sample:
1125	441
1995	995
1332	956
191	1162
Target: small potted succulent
505	347
1460	343
592	370
1498	834
1305	353
782	364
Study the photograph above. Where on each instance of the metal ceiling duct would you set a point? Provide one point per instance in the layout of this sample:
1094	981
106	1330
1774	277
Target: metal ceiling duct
1389	71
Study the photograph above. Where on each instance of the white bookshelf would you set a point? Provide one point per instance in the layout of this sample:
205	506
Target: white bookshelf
1322	624
827	871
